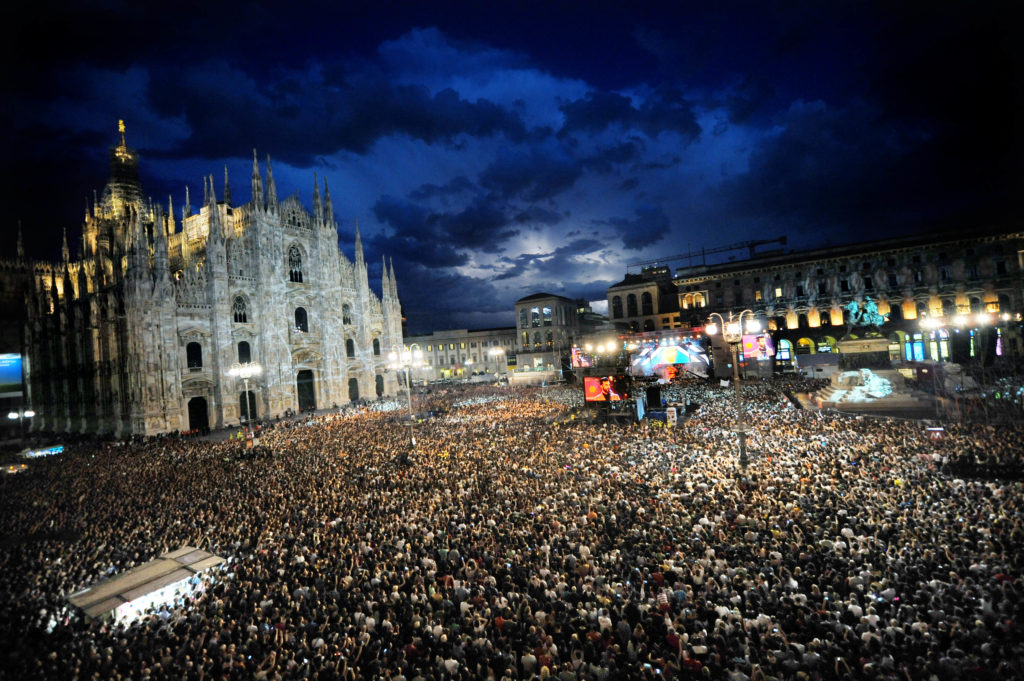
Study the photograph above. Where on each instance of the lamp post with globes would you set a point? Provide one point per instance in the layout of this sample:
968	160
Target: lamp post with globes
245	371
732	331
406	360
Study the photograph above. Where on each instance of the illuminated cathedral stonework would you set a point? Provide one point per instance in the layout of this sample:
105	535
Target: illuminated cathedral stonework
138	335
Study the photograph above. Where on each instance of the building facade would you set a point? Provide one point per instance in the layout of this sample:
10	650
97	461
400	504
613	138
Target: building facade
944	296
140	332
645	302
461	353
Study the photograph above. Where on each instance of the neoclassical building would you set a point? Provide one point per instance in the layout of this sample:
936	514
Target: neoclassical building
945	296
144	331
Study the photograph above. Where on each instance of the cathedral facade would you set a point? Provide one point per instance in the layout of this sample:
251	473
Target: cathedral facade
227	314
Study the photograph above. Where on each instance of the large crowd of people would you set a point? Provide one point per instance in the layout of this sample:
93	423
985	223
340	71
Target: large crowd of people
522	541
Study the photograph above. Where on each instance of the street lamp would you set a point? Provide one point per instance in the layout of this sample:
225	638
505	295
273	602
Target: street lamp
245	372
20	415
732	332
496	354
406	360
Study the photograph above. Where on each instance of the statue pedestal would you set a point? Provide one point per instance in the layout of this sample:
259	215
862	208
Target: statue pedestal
864	353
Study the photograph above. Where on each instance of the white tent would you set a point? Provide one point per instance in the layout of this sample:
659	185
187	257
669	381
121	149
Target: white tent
126	596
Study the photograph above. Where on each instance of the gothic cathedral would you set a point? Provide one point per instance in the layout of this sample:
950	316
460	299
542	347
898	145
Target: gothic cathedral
230	314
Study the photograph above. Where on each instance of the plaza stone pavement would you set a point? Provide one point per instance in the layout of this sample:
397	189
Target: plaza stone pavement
519	543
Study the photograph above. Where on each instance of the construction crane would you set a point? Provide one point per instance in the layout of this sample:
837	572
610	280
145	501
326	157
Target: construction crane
751	246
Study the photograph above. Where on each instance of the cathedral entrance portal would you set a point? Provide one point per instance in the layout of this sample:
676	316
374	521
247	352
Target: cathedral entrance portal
305	388
198	415
353	389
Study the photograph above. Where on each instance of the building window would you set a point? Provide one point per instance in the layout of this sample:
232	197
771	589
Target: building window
451	346
295	264
944	275
301	320
462	346
757	296
631	305
616	307
239	310
799	291
893	283
244	353
648	325
844	286
547	316
350	348
430	348
523	318
346	313
1001	268
194	355
534	316
647	303
376	347
822	287
778	292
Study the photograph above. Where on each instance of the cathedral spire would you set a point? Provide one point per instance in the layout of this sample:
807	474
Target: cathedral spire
65	252
318	209
359	248
394	281
227	186
328	206
271	188
186	210
171	227
257	183
385	280
21	244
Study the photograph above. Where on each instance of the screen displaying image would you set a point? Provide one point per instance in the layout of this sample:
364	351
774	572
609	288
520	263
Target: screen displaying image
10	375
579	359
758	346
654	359
605	388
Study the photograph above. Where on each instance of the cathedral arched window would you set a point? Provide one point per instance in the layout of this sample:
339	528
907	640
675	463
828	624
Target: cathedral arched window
631	305
346	314
301	320
240	311
295	264
350	348
646	303
244	352
617	307
376	347
194	355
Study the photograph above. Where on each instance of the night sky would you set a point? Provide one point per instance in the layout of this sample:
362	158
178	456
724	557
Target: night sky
496	149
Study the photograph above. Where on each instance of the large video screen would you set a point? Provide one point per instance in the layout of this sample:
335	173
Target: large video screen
655	359
605	388
759	346
10	375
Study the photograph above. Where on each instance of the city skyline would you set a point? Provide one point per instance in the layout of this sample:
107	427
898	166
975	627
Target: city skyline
495	152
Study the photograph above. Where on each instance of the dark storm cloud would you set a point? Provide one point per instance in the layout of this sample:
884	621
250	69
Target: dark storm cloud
480	226
650	226
548	266
415	238
833	171
440	239
665	110
541	172
303	117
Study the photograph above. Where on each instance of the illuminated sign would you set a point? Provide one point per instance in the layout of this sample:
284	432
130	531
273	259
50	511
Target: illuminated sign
10	375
